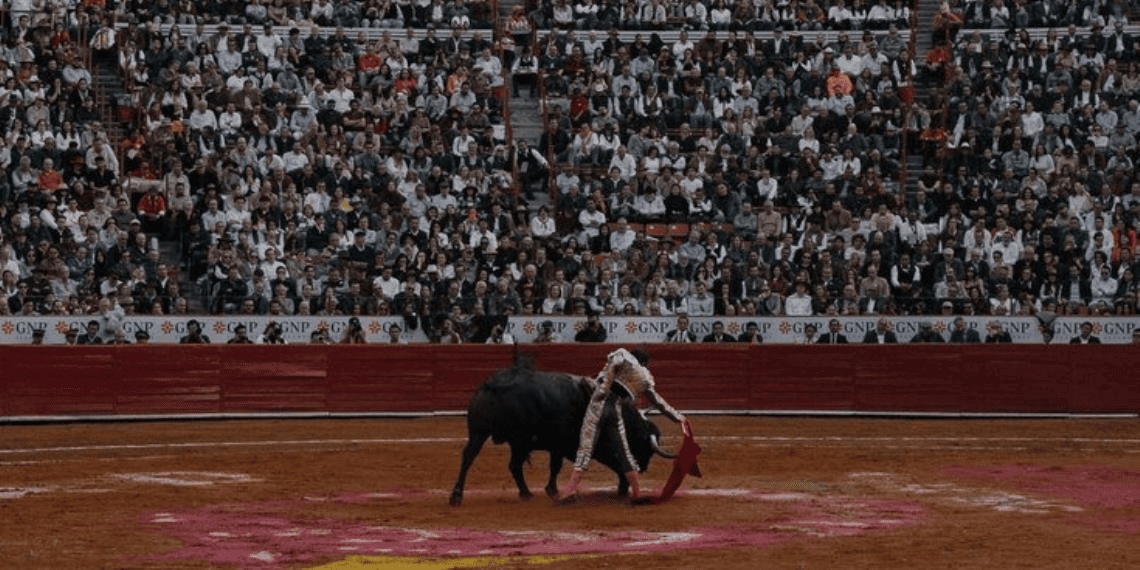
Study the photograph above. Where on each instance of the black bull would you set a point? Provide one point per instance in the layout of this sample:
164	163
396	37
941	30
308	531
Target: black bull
534	410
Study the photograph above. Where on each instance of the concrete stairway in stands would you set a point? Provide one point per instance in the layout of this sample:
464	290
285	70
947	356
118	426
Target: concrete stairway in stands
109	88
526	117
925	12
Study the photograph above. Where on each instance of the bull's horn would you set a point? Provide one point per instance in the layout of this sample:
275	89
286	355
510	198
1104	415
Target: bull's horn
657	448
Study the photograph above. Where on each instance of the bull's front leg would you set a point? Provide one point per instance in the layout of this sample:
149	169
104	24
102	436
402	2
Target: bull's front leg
555	468
518	457
470	451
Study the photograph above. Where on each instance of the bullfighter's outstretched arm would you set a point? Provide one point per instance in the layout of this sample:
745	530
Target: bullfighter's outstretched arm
638	379
663	406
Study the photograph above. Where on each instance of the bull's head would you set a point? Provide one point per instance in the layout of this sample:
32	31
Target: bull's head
644	439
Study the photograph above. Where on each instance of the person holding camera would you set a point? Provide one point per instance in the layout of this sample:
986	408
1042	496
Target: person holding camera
272	334
594	331
499	334
354	334
320	336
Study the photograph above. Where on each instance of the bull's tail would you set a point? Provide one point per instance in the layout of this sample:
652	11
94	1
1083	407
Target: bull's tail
523	361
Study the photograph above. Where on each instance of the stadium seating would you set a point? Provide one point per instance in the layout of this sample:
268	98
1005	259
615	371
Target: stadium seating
328	158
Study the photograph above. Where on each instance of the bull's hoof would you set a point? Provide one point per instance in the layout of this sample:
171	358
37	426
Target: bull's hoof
456	498
552	491
525	495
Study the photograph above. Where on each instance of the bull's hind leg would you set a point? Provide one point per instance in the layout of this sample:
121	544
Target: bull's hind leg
623	485
519	456
470	451
552	483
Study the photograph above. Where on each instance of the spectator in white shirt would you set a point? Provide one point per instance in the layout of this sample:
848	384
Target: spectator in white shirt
591	219
699	301
237	214
268	42
624	162
767	186
799	303
388	285
202	117
480	233
542	225
622	238
341	96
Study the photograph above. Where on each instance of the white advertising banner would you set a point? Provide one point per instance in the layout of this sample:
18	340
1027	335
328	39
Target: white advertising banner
790	330
622	330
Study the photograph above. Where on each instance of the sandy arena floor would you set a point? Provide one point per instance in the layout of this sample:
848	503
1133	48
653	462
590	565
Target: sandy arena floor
777	493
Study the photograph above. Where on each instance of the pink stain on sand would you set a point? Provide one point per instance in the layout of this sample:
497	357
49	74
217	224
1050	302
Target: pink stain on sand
1110	489
271	535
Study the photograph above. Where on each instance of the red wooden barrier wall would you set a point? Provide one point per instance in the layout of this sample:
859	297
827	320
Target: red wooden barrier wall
422	378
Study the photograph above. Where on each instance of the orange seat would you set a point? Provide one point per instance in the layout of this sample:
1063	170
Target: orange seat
678	230
656	230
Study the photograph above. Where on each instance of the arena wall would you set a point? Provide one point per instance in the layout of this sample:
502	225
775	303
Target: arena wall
161	380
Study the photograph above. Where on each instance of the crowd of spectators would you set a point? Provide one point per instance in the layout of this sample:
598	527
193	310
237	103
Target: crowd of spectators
307	171
742	15
783	165
1041	141
294	170
780	155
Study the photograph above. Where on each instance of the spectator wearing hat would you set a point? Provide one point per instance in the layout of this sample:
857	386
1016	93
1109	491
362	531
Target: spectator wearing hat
71	336
38	336
142	337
